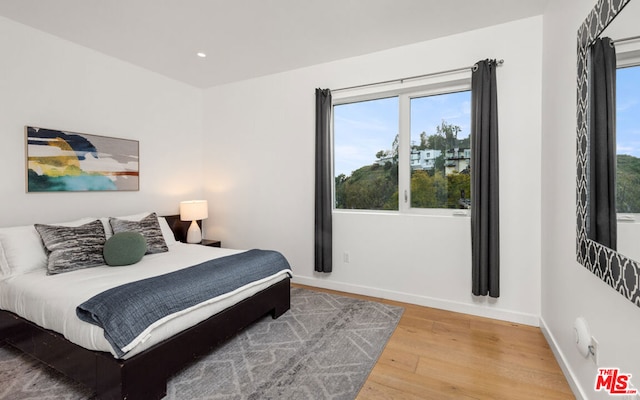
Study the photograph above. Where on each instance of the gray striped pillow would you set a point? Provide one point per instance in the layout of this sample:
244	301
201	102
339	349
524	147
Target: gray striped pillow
72	248
148	227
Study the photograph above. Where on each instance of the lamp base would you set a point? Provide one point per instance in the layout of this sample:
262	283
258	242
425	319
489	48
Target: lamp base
194	234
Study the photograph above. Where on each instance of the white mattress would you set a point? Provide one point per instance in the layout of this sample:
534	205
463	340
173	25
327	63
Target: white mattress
51	301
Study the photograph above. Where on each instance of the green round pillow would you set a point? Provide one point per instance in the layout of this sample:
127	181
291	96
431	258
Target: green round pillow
124	248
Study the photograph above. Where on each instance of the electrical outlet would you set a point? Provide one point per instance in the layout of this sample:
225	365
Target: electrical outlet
595	350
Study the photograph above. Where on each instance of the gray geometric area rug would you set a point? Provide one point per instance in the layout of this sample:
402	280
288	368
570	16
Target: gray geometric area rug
322	348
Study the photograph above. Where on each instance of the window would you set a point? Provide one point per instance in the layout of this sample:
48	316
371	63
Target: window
441	151
366	154
628	139
404	151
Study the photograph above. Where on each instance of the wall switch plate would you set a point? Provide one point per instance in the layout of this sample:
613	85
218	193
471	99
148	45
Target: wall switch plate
345	257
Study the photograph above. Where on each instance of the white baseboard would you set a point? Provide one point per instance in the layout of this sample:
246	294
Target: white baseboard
564	365
479	310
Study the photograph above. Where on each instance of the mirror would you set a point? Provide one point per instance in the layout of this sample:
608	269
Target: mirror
615	268
625	33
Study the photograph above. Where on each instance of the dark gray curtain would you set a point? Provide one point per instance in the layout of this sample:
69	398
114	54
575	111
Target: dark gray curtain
485	206
602	144
323	222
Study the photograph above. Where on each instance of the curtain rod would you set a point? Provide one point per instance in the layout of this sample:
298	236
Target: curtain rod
401	80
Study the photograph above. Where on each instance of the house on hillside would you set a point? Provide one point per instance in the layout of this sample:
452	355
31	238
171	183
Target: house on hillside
457	160
424	159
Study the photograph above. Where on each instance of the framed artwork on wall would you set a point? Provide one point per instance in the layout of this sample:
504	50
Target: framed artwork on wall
61	161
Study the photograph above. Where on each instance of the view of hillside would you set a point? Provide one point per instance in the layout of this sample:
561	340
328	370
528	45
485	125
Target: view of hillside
443	184
628	184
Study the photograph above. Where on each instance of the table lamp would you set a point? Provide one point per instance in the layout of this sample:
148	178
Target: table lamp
194	210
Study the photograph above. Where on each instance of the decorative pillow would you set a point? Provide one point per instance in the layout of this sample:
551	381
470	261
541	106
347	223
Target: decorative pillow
23	249
148	227
124	248
72	248
132	217
167	233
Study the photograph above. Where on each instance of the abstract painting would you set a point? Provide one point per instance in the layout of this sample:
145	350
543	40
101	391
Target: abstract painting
60	161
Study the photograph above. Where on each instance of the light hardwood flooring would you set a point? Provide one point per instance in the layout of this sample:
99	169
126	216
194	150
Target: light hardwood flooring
437	354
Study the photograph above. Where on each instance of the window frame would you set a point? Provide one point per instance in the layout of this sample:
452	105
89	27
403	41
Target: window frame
405	91
628	56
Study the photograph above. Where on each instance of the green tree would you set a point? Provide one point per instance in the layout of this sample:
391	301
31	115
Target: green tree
450	134
628	184
445	138
459	188
423	193
439	164
465	143
340	195
441	188
368	188
394	148
424	142
428	191
436	142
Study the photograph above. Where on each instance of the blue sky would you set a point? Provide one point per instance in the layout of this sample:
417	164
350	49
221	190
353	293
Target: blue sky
628	111
364	128
428	112
361	130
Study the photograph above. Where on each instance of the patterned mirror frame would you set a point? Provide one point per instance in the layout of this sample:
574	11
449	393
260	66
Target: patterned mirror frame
618	271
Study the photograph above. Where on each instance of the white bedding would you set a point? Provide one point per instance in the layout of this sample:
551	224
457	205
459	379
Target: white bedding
50	301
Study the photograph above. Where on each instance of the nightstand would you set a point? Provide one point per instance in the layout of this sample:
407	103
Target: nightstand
211	243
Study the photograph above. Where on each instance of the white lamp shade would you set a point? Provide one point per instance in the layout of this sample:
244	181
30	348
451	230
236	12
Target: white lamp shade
194	210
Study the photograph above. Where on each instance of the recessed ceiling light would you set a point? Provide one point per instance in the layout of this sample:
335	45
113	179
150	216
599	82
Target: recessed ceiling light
201	55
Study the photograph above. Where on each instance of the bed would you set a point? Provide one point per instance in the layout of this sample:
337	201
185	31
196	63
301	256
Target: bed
48	330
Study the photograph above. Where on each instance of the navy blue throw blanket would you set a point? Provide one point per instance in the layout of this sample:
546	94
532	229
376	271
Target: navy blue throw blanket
124	312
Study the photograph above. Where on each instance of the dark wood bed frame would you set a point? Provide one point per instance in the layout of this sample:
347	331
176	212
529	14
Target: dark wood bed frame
143	376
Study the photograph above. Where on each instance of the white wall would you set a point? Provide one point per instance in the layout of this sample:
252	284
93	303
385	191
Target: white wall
568	289
259	145
52	83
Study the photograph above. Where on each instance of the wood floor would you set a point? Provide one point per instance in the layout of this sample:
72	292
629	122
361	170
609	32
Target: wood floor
436	354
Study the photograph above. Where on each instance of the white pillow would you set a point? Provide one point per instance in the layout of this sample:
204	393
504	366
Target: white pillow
169	238
23	247
108	232
4	265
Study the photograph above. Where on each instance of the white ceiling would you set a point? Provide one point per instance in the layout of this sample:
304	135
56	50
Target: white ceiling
250	38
